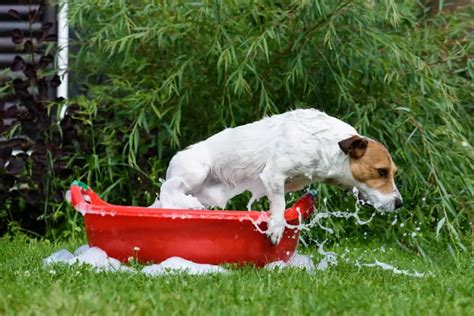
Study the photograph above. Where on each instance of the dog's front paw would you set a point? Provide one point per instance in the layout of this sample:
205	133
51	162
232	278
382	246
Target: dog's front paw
275	230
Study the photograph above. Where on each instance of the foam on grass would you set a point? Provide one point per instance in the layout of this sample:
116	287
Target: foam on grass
100	261
92	256
177	264
297	261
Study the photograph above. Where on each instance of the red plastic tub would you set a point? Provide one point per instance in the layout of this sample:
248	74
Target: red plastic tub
202	236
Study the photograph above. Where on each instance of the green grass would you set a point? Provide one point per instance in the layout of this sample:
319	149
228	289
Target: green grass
26	287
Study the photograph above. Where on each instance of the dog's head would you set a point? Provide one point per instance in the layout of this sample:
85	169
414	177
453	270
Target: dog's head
373	172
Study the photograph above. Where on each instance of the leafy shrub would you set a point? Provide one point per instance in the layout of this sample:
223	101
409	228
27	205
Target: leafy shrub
36	149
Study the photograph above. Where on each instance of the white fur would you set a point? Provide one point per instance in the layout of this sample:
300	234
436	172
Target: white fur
269	157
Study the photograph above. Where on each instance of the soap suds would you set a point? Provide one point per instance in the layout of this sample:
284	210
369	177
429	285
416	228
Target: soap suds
98	259
297	261
101	262
177	264
93	256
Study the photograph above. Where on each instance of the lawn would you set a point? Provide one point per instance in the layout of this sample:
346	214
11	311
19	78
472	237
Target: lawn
26	287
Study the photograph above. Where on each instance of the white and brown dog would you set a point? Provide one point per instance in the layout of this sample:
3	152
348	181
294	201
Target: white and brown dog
280	154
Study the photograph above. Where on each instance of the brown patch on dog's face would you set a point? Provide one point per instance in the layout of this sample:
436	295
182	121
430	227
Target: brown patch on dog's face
375	168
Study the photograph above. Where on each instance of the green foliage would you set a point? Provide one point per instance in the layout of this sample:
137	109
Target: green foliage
36	149
158	77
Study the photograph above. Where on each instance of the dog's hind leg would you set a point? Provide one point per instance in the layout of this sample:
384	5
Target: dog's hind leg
257	189
185	175
214	193
174	195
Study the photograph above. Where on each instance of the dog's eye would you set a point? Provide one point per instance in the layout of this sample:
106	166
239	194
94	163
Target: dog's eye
383	172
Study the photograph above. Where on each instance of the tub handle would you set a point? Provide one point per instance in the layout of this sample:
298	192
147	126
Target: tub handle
78	191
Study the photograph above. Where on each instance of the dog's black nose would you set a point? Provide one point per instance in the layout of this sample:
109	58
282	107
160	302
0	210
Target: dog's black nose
398	203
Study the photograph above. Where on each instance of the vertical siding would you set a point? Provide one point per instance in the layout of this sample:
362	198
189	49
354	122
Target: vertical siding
31	31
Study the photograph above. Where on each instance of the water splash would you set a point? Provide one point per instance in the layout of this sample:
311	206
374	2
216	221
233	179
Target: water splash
330	258
389	267
316	220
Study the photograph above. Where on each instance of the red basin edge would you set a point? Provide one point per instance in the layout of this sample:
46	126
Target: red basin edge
202	236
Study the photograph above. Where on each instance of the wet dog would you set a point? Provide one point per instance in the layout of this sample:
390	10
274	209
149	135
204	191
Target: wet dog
279	154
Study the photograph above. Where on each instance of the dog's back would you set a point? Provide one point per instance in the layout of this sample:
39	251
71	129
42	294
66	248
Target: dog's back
239	153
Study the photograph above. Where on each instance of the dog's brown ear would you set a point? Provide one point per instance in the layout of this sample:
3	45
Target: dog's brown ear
354	146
